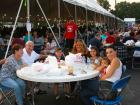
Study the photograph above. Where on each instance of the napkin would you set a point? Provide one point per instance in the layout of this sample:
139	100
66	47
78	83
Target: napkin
71	59
52	61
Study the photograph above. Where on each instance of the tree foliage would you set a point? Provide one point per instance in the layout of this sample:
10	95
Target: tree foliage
127	10
104	3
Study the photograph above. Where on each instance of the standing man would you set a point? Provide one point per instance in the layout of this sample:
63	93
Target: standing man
70	33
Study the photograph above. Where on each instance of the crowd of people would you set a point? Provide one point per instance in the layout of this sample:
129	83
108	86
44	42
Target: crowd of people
98	47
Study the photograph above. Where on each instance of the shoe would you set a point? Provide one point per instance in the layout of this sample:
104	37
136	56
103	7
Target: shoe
41	92
36	90
28	93
67	95
57	97
23	103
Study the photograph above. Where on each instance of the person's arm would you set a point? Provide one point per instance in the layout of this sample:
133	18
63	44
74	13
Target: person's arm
100	68
2	61
23	64
113	66
42	56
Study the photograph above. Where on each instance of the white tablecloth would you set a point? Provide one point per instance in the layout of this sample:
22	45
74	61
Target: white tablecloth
29	74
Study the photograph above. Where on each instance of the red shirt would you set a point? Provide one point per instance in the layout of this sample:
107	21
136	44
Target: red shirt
71	27
103	72
18	41
110	39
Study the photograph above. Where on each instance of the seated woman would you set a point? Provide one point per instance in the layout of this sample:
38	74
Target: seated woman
8	75
79	47
2	61
113	73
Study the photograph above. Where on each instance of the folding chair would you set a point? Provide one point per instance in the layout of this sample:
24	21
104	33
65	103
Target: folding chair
117	86
7	93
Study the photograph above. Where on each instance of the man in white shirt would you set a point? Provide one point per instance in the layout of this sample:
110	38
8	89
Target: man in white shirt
29	57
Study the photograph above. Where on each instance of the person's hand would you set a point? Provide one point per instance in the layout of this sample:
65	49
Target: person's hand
2	61
103	77
103	65
24	65
42	56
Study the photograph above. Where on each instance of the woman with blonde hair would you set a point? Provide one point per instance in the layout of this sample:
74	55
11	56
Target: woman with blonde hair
79	47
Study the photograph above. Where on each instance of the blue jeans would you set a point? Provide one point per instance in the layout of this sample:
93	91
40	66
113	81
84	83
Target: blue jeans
90	88
19	88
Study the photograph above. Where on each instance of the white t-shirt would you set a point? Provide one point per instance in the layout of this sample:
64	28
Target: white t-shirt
29	59
116	75
53	45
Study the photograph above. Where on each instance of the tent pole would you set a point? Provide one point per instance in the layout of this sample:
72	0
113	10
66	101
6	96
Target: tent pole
48	23
28	17
86	18
59	28
109	22
87	22
14	27
75	14
104	19
95	18
100	19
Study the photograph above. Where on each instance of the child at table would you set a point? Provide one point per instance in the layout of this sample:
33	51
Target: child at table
59	55
105	62
94	57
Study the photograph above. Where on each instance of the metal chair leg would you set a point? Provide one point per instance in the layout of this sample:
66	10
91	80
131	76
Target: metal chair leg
94	103
5	97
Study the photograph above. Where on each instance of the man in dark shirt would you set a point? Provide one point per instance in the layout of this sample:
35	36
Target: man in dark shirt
96	41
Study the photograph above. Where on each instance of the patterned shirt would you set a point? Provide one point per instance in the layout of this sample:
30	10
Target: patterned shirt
9	69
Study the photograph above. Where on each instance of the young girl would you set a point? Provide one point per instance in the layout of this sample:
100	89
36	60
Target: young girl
94	59
105	62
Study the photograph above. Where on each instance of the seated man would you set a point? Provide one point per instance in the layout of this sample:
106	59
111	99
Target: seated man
30	56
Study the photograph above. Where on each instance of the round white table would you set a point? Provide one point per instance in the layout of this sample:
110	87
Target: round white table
29	74
58	76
